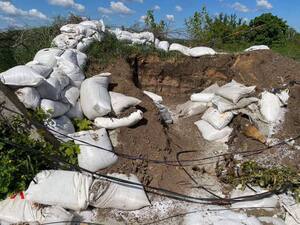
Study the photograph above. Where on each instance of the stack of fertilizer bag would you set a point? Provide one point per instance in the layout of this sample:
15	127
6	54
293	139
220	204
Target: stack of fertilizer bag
221	104
54	81
148	39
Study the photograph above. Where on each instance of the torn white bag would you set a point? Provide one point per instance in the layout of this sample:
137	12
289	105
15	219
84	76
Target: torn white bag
21	76
93	158
119	195
67	189
60	127
120	102
114	123
212	134
29	96
94	97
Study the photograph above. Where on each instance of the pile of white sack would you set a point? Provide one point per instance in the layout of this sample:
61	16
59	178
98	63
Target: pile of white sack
55	82
221	104
54	195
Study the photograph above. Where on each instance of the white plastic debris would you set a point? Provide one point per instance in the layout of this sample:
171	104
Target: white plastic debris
190	108
212	134
180	48
268	203
216	119
69	28
121	102
75	112
30	97
94	24
163	45
156	42
234	91
67	189
225	105
41	69
257	47
220	216
94	97
200	51
119	195
93	158
72	70
54	108
21	76
165	114
48	56
60	127
56	215
85	43
70	95
114	123
270	106
53	87
153	96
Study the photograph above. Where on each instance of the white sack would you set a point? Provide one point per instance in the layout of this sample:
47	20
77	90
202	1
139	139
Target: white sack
225	105
57	73
53	87
98	36
21	76
216	119
153	96
66	40
85	43
270	106
94	97
94	24
156	42
70	95
206	95
18	210
163	45
114	123
69	28
47	56
211	134
81	58
41	69
71	56
147	36
234	91
60	127
30	97
120	102
120	195
257	47
92	158
67	189
200	51
54	108
178	47
190	108
75	112
73	71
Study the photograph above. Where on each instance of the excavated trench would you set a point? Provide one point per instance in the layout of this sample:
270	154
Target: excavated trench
176	80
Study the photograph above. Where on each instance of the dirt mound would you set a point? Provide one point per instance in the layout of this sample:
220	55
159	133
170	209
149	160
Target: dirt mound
175	80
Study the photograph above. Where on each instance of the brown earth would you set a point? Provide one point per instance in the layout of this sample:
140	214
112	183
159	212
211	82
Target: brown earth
175	80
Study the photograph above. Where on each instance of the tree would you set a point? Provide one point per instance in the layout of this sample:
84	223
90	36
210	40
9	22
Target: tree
268	29
158	28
